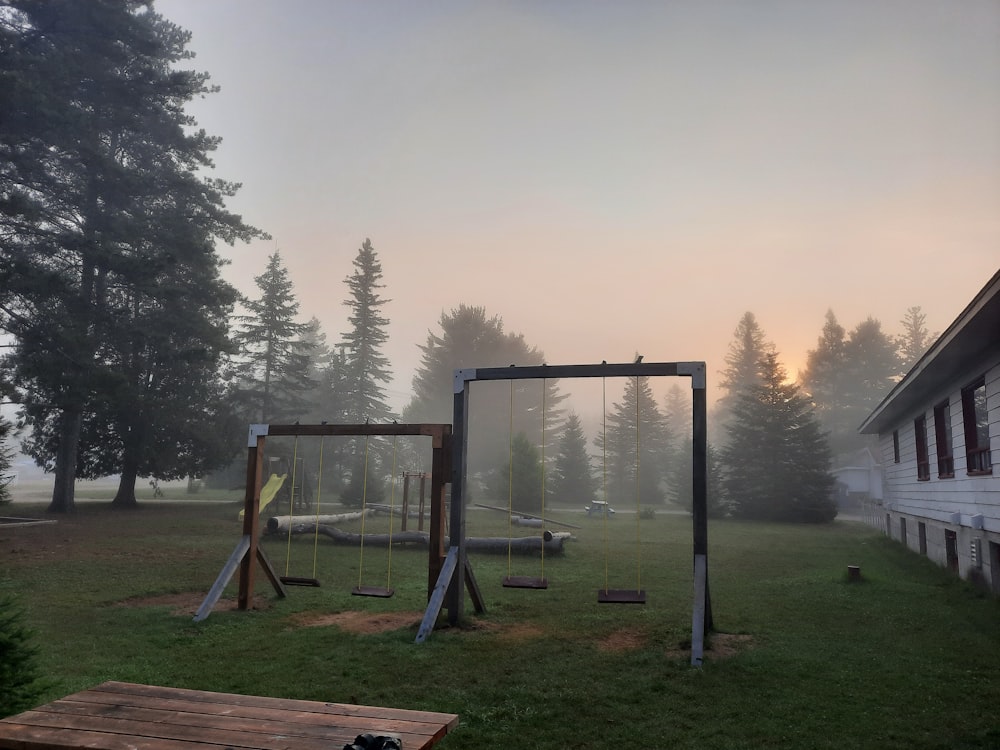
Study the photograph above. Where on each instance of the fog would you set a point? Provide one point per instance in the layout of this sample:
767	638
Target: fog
612	178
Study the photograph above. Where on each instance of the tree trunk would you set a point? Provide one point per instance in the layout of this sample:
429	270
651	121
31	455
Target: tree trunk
125	497
63	497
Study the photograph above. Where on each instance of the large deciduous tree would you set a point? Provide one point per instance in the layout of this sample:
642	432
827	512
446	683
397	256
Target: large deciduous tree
105	225
776	463
846	376
471	339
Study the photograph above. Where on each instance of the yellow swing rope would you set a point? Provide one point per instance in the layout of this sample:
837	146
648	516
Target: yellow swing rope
291	504
364	512
510	475
604	472
392	504
319	496
638	537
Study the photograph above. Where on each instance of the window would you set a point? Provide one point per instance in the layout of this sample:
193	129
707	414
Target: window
951	549
942	437
895	446
902	531
977	429
922	537
920	434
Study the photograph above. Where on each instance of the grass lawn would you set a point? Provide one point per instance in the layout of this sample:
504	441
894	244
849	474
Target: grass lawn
908	658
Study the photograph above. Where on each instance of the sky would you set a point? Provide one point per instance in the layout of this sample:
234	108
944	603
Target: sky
611	178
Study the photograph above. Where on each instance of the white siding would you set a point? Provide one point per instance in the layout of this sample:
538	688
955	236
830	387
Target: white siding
967	505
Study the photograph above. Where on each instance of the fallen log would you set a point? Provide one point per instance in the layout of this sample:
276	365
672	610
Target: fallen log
281	523
419	538
525	545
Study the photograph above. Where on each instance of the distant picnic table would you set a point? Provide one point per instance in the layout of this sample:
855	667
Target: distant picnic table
121	715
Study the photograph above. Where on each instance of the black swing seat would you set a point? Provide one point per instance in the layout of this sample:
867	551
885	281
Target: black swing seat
297	581
525	582
621	596
379	591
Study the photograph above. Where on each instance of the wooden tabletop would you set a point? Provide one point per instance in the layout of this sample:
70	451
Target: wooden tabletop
124	716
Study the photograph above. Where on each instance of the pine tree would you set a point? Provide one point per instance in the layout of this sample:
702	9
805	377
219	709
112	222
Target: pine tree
777	460
106	220
519	479
366	371
20	678
273	369
915	339
367	368
680	484
635	442
572	480
742	370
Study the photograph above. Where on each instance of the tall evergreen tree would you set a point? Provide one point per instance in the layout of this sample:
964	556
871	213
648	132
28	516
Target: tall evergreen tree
103	215
519	479
748	347
634	443
777	461
273	369
572	480
824	381
365	373
367	368
680	483
915	339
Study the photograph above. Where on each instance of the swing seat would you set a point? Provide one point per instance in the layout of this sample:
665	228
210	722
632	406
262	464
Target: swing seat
621	596
379	591
298	581
525	582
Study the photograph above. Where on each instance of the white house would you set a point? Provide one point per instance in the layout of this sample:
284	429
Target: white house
939	438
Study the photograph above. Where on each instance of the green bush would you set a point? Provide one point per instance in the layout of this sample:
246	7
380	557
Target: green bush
20	683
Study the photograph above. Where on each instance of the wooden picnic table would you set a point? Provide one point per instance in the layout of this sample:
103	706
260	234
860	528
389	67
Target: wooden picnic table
125	716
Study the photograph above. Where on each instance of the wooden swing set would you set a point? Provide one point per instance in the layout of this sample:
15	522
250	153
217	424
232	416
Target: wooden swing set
248	553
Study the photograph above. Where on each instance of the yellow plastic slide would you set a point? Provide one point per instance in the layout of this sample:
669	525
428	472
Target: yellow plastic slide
269	490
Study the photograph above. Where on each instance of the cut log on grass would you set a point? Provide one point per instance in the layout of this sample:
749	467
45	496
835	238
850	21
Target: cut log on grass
519	545
533	522
526	545
419	538
280	523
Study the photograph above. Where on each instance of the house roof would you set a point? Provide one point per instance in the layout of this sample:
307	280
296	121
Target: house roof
973	338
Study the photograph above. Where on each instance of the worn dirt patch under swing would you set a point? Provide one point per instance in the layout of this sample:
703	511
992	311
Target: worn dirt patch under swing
363	623
623	640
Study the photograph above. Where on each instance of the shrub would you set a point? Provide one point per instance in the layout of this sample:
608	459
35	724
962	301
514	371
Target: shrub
20	683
